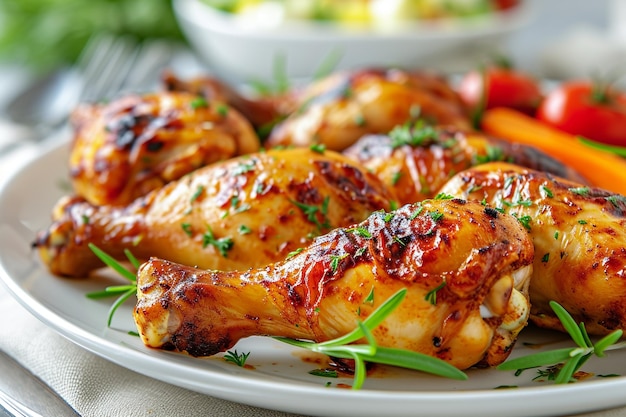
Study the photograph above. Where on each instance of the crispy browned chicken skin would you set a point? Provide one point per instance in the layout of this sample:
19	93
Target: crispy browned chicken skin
578	233
244	212
135	144
416	160
338	110
465	267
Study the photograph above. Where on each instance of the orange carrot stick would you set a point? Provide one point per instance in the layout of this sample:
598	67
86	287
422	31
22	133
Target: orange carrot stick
602	169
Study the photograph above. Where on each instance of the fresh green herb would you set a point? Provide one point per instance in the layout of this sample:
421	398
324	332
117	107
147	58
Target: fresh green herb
359	120
360	231
187	228
318	147
436	215
325	373
123	291
294	253
223	244
556	235
524	220
547	191
431	296
197	193
199	102
244	230
388	216
492	154
359	252
415	134
584	191
565	362
235	357
222	110
311	213
444	196
328	65
396	177
581	221
334	261
370	297
85	219
133	333
342	347
416	213
244	167
545	258
617	150
615	200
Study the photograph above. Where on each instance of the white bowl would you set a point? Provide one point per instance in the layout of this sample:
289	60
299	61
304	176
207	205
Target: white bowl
237	50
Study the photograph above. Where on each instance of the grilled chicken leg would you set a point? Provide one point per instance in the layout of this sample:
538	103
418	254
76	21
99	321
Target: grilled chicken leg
415	161
578	233
124	149
248	211
465	268
336	111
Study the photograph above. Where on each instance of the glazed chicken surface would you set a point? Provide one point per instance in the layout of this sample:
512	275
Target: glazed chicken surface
138	143
475	260
578	233
338	110
416	160
244	212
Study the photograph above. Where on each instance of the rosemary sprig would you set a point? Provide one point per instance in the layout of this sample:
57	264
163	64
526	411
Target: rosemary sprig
361	353
572	358
123	291
617	150
235	357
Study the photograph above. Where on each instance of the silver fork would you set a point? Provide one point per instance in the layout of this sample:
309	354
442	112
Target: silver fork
107	66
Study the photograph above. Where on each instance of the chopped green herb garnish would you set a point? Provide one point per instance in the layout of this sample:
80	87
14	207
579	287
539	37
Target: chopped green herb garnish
396	177
223	244
370	297
187	228
318	148
222	110
582	221
547	191
196	194
244	230
326	373
199	102
334	261
431	296
545	258
360	231
584	191
311	213
294	253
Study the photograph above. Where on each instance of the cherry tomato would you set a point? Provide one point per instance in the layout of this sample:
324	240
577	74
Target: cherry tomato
505	87
580	108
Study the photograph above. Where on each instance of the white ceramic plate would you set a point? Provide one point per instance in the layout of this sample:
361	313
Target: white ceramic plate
277	377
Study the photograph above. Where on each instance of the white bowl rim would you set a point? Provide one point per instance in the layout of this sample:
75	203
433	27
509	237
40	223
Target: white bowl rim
214	20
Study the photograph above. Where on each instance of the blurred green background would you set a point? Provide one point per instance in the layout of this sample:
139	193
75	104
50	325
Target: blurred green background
44	34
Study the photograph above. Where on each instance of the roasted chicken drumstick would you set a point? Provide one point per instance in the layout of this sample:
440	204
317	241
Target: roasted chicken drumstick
465	267
416	159
578	233
124	149
244	212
